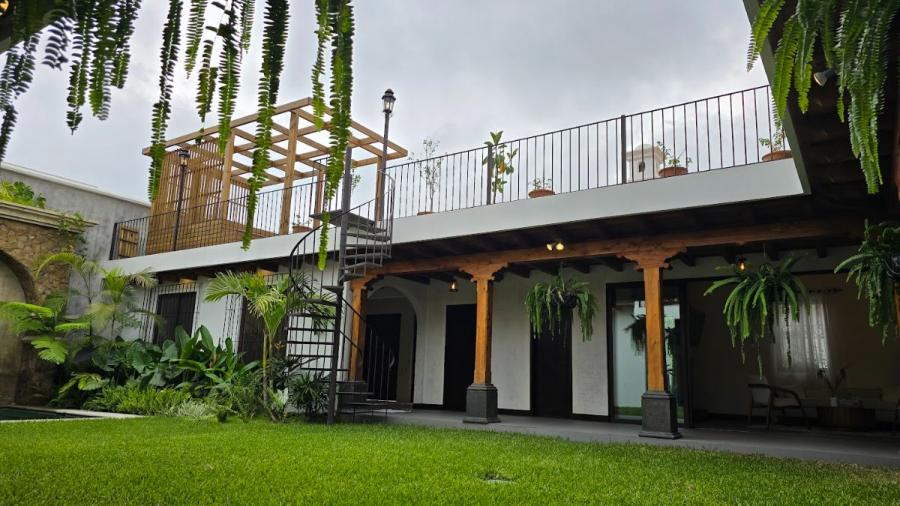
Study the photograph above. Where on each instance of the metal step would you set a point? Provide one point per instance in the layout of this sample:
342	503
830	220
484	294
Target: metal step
359	234
375	255
310	356
313	315
323	302
308	329
353	220
376	404
304	343
361	265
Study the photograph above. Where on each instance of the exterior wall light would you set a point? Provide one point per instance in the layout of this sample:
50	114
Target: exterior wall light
454	287
741	264
824	76
556	245
388	100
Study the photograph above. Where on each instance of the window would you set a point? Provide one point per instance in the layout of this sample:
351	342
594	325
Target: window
175	310
808	343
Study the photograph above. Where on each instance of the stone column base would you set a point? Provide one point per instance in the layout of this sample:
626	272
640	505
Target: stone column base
481	404
659	416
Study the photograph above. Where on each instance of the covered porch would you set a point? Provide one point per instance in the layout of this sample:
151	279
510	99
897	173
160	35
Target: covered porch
851	448
608	380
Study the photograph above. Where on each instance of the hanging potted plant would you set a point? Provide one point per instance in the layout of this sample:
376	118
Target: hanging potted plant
775	144
549	304
876	270
672	163
756	297
541	187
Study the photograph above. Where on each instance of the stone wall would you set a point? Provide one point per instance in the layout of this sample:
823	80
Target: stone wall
26	236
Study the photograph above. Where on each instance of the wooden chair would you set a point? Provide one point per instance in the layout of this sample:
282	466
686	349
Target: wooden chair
764	395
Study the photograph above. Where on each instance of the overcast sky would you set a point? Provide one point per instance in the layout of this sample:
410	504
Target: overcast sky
459	69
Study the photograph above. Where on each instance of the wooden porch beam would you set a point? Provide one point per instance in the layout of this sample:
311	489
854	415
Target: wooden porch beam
609	247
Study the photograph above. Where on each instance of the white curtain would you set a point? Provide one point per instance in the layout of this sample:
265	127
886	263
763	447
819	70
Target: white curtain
808	344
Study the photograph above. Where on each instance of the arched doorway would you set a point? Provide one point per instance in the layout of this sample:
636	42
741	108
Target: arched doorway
10	345
391	315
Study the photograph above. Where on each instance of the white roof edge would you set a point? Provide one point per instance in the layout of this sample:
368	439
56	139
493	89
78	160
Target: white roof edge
11	167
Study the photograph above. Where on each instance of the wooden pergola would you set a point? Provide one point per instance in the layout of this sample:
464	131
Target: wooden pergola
214	179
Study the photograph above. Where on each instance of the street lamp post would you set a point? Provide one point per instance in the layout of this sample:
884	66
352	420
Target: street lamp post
387	100
183	156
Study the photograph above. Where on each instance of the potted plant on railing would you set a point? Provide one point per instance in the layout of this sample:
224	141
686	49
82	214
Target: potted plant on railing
775	144
499	162
550	304
301	225
876	269
429	169
672	163
541	187
757	296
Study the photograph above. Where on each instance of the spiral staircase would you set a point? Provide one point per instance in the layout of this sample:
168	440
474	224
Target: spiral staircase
317	336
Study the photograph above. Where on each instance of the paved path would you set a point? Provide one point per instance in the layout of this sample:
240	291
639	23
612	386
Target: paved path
865	449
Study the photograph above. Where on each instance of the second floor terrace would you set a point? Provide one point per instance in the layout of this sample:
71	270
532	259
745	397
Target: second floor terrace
714	151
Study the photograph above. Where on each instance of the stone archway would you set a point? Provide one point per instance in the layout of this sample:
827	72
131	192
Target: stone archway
27	234
10	344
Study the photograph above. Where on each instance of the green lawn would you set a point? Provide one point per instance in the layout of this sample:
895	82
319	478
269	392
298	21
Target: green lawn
178	461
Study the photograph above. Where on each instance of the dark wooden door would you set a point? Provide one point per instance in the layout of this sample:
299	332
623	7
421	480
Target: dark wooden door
459	355
175	310
382	354
551	373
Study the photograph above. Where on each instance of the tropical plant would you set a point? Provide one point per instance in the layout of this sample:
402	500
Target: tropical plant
876	270
757	296
271	302
670	159
46	327
91	40
18	192
429	168
309	393
110	295
499	159
549	305
854	37
139	400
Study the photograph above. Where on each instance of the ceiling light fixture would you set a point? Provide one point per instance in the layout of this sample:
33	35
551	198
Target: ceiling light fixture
454	287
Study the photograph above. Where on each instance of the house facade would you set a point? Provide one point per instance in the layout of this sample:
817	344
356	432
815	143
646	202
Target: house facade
431	272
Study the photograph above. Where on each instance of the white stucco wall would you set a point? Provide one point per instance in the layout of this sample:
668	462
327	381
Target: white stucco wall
757	181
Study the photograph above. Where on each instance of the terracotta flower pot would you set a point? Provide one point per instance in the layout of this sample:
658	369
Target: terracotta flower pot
781	154
423	213
672	171
299	229
540	192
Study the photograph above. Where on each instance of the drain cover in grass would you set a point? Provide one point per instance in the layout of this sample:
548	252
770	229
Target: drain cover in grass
494	477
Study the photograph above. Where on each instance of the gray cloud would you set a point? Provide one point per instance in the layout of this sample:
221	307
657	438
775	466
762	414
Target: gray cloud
459	69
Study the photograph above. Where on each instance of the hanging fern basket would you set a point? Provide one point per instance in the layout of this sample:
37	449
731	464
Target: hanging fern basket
550	306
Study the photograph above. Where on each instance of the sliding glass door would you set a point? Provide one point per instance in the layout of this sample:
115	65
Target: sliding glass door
628	349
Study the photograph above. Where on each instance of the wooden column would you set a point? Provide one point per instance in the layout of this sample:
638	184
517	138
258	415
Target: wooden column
656	358
358	288
658	415
225	191
481	397
320	194
289	174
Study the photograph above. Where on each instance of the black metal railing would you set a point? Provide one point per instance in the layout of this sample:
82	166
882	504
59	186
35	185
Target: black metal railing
698	136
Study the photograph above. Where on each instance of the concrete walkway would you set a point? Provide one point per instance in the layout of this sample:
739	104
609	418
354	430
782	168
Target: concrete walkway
865	449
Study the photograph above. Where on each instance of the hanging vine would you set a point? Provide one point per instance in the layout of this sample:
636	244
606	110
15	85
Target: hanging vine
162	109
853	35
91	40
273	46
335	19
